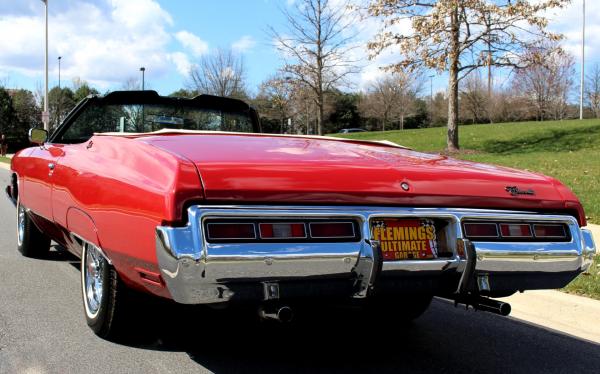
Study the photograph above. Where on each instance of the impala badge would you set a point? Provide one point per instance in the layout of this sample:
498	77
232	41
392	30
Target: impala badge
516	191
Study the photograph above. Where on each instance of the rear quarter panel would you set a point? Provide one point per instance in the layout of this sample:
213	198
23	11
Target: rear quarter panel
125	188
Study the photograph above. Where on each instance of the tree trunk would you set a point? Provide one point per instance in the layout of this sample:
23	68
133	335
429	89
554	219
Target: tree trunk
320	119
320	68
385	118
452	139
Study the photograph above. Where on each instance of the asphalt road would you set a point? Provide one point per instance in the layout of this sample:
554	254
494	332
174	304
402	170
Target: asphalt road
43	330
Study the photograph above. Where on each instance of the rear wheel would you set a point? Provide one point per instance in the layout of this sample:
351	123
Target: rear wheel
104	294
31	242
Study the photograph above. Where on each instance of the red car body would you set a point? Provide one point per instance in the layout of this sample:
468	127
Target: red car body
114	190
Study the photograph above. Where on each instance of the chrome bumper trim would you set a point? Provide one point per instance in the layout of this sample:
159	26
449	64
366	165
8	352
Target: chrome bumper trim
196	271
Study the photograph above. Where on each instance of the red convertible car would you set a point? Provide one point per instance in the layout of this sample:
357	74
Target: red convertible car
185	199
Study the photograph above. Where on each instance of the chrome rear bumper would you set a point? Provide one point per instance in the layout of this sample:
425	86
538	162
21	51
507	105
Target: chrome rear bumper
198	272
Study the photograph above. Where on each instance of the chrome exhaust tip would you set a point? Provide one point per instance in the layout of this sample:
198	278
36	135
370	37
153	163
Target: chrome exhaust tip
282	314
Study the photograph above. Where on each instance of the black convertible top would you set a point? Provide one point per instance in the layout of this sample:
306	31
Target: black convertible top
149	97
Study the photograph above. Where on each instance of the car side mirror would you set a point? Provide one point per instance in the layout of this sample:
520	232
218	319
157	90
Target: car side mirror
38	136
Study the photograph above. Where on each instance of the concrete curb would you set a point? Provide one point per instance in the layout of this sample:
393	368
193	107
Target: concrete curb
570	314
595	229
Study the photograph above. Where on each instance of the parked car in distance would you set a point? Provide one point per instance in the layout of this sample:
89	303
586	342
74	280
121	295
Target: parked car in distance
185	199
348	131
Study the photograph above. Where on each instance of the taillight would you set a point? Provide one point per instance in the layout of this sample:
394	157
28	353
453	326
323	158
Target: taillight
282	230
230	231
332	230
549	231
221	230
515	230
481	230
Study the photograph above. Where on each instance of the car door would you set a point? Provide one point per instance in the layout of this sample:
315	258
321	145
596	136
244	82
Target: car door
39	172
66	181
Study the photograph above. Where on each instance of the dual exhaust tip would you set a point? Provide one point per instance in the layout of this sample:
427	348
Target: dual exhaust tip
282	314
484	304
285	314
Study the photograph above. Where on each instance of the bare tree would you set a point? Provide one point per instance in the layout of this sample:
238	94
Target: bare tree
592	90
392	98
474	98
278	92
131	84
507	105
316	47
459	36
546	84
221	73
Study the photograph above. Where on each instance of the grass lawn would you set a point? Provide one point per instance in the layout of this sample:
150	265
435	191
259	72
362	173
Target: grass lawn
587	284
5	159
566	150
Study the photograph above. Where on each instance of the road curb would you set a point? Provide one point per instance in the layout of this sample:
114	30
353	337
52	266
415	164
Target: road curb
595	229
567	313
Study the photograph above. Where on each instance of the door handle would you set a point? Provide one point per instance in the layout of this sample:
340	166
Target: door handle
51	166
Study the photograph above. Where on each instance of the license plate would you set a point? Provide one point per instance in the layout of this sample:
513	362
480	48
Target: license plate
405	239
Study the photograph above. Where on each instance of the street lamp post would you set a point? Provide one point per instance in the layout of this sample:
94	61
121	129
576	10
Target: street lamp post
59	58
431	89
46	114
143	69
59	115
582	64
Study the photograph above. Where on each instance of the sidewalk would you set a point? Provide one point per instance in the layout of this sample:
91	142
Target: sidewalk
570	314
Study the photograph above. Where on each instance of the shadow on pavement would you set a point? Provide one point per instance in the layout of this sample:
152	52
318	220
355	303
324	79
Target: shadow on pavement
444	339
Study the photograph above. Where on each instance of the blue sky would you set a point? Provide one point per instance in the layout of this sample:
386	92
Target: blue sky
105	42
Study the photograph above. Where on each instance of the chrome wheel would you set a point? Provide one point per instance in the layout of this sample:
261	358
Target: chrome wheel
20	224
93	278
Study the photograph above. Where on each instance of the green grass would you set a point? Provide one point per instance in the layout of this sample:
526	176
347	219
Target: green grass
587	284
566	150
5	159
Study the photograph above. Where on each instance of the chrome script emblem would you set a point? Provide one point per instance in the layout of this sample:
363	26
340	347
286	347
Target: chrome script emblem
516	191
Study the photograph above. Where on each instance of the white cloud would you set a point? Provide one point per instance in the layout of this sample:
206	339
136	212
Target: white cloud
197	46
101	41
244	44
569	21
182	62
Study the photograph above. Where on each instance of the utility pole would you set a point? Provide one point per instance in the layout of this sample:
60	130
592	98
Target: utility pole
46	114
581	90
59	114
431	90
143	69
59	58
489	66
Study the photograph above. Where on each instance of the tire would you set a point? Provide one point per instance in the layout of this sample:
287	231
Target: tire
404	309
105	297
31	242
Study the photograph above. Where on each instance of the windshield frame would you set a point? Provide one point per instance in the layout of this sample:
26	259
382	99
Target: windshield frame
153	98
